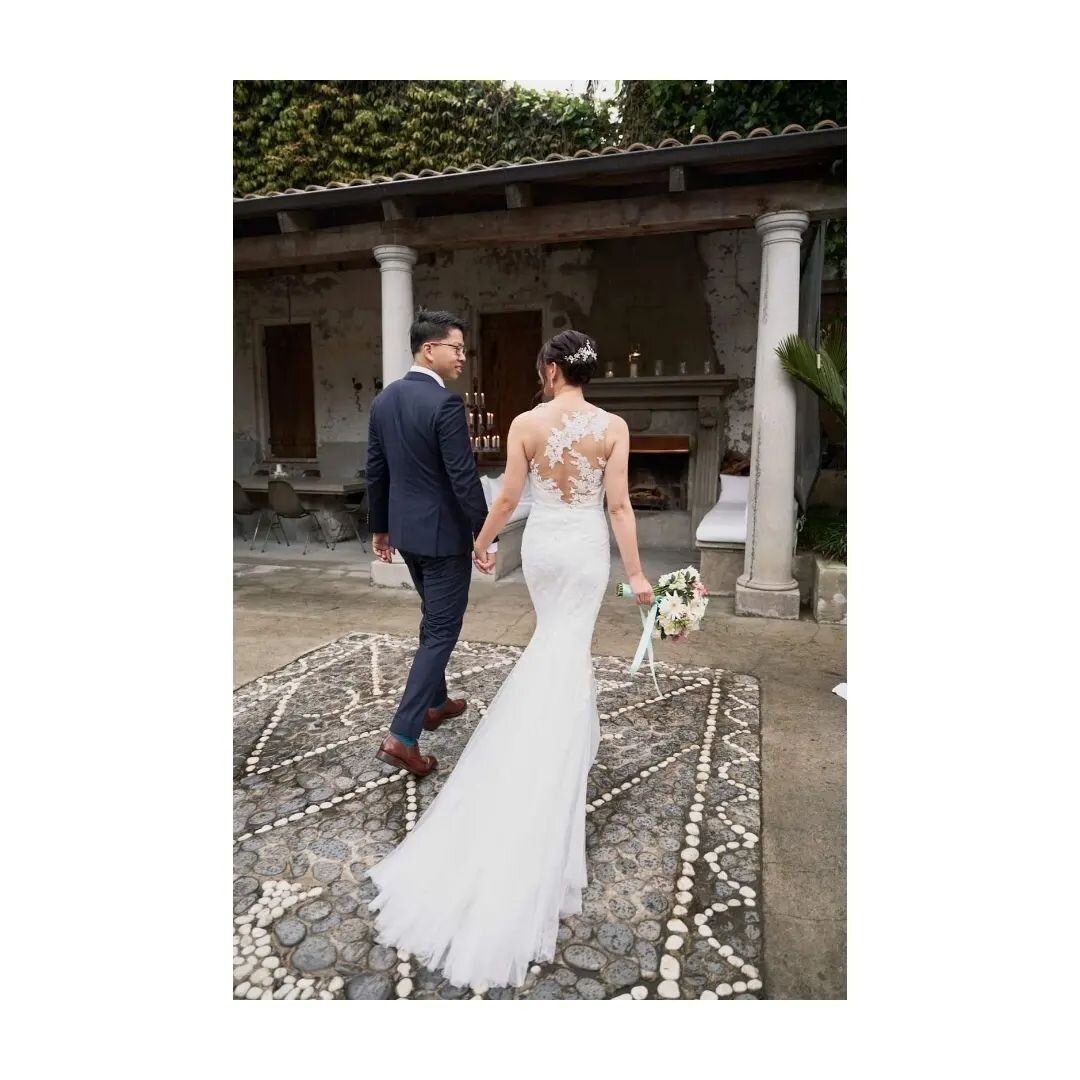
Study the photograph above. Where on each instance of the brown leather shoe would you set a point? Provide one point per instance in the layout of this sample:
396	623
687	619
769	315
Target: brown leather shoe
396	753
445	712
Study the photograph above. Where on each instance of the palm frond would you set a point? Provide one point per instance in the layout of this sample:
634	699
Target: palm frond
817	370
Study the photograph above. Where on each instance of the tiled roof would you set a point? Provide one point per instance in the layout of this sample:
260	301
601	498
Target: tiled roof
697	140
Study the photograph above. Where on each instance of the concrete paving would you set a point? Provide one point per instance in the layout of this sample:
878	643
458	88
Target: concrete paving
286	605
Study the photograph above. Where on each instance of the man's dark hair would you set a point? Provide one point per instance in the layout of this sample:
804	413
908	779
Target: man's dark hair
433	326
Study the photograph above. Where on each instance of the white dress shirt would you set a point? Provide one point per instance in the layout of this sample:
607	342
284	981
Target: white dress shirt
494	546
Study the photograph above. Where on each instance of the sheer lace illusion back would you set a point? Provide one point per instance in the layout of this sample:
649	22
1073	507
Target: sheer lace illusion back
478	886
571	466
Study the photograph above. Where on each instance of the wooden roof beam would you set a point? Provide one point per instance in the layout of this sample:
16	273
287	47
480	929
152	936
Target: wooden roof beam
608	219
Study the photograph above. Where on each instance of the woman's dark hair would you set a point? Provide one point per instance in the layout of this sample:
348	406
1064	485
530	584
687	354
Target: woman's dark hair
574	352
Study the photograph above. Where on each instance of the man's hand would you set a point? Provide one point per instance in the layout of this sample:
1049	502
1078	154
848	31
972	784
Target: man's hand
483	560
381	543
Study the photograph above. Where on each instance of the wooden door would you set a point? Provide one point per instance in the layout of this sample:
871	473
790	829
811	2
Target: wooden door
290	391
509	342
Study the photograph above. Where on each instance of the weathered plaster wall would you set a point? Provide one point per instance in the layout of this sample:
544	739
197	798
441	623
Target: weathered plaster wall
689	297
649	294
731	263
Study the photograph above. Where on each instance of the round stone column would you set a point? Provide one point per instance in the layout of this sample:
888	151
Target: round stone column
396	264
767	587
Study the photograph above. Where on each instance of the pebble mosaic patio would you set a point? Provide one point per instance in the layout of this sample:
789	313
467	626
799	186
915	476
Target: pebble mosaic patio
672	908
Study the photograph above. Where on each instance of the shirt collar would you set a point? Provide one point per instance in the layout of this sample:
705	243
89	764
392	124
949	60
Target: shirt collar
427	371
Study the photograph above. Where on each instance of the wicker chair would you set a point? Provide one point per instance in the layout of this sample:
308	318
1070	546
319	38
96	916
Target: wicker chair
286	504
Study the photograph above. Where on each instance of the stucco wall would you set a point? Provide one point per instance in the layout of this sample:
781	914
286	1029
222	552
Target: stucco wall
686	296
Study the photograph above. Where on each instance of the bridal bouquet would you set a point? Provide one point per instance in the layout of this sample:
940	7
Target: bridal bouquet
681	599
679	602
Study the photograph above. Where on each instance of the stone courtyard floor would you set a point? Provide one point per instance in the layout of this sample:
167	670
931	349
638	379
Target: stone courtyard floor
676	776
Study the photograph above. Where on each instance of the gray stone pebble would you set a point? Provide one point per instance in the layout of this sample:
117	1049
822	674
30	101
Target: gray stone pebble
290	931
314	954
583	957
314	910
615	938
382	958
369	988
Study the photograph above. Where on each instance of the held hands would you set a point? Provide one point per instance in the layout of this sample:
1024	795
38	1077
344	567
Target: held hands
380	542
643	591
482	560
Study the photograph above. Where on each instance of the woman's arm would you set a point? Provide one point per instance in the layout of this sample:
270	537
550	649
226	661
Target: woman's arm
621	513
517	467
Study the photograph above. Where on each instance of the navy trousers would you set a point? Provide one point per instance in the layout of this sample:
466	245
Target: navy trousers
442	582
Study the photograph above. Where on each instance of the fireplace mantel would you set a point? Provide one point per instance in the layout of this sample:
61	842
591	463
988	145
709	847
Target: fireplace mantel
661	391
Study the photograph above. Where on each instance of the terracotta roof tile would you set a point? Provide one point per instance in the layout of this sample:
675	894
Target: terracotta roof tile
451	170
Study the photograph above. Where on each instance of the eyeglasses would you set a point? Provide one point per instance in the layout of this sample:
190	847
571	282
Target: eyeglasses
459	349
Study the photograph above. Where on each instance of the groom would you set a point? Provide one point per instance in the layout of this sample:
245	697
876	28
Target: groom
425	500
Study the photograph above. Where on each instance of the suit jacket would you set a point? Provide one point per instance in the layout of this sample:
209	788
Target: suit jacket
422	484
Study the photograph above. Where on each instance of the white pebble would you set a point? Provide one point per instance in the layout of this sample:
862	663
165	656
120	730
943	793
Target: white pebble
404	954
535	969
678	909
735	961
254	993
242	989
684	883
404	969
692	830
695	816
684	897
639	993
404	988
677	926
271	962
259	932
262	950
704	930
668	989
739	987
708	995
690	854
276	913
726	950
750	971
280	973
747	891
754	984
723	990
307	992
700	919
669	967
674	942
336	983
305	983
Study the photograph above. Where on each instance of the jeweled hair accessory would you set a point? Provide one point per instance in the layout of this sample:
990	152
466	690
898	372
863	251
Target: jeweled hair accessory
582	355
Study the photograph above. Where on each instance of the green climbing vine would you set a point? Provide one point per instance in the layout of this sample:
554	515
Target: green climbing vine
291	134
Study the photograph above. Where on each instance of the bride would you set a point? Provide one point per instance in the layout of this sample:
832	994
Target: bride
478	887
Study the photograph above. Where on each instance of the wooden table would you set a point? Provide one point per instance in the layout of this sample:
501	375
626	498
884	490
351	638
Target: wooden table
328	494
307	485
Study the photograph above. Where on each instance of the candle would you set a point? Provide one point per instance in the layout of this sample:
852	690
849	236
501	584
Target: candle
481	401
496	442
491	419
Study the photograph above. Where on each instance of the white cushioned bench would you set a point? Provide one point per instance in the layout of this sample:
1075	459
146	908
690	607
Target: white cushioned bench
721	536
508	557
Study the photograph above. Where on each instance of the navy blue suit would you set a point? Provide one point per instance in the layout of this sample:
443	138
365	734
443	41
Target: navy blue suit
423	489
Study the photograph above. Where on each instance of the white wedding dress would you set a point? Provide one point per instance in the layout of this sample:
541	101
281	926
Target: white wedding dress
477	888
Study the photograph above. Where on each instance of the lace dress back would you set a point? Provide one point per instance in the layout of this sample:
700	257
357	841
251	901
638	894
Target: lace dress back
570	468
477	888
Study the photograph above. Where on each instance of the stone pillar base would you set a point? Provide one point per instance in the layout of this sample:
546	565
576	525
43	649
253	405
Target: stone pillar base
392	575
766	603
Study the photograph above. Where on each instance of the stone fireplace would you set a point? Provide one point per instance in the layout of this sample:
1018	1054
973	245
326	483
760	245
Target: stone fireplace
659	472
676	432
